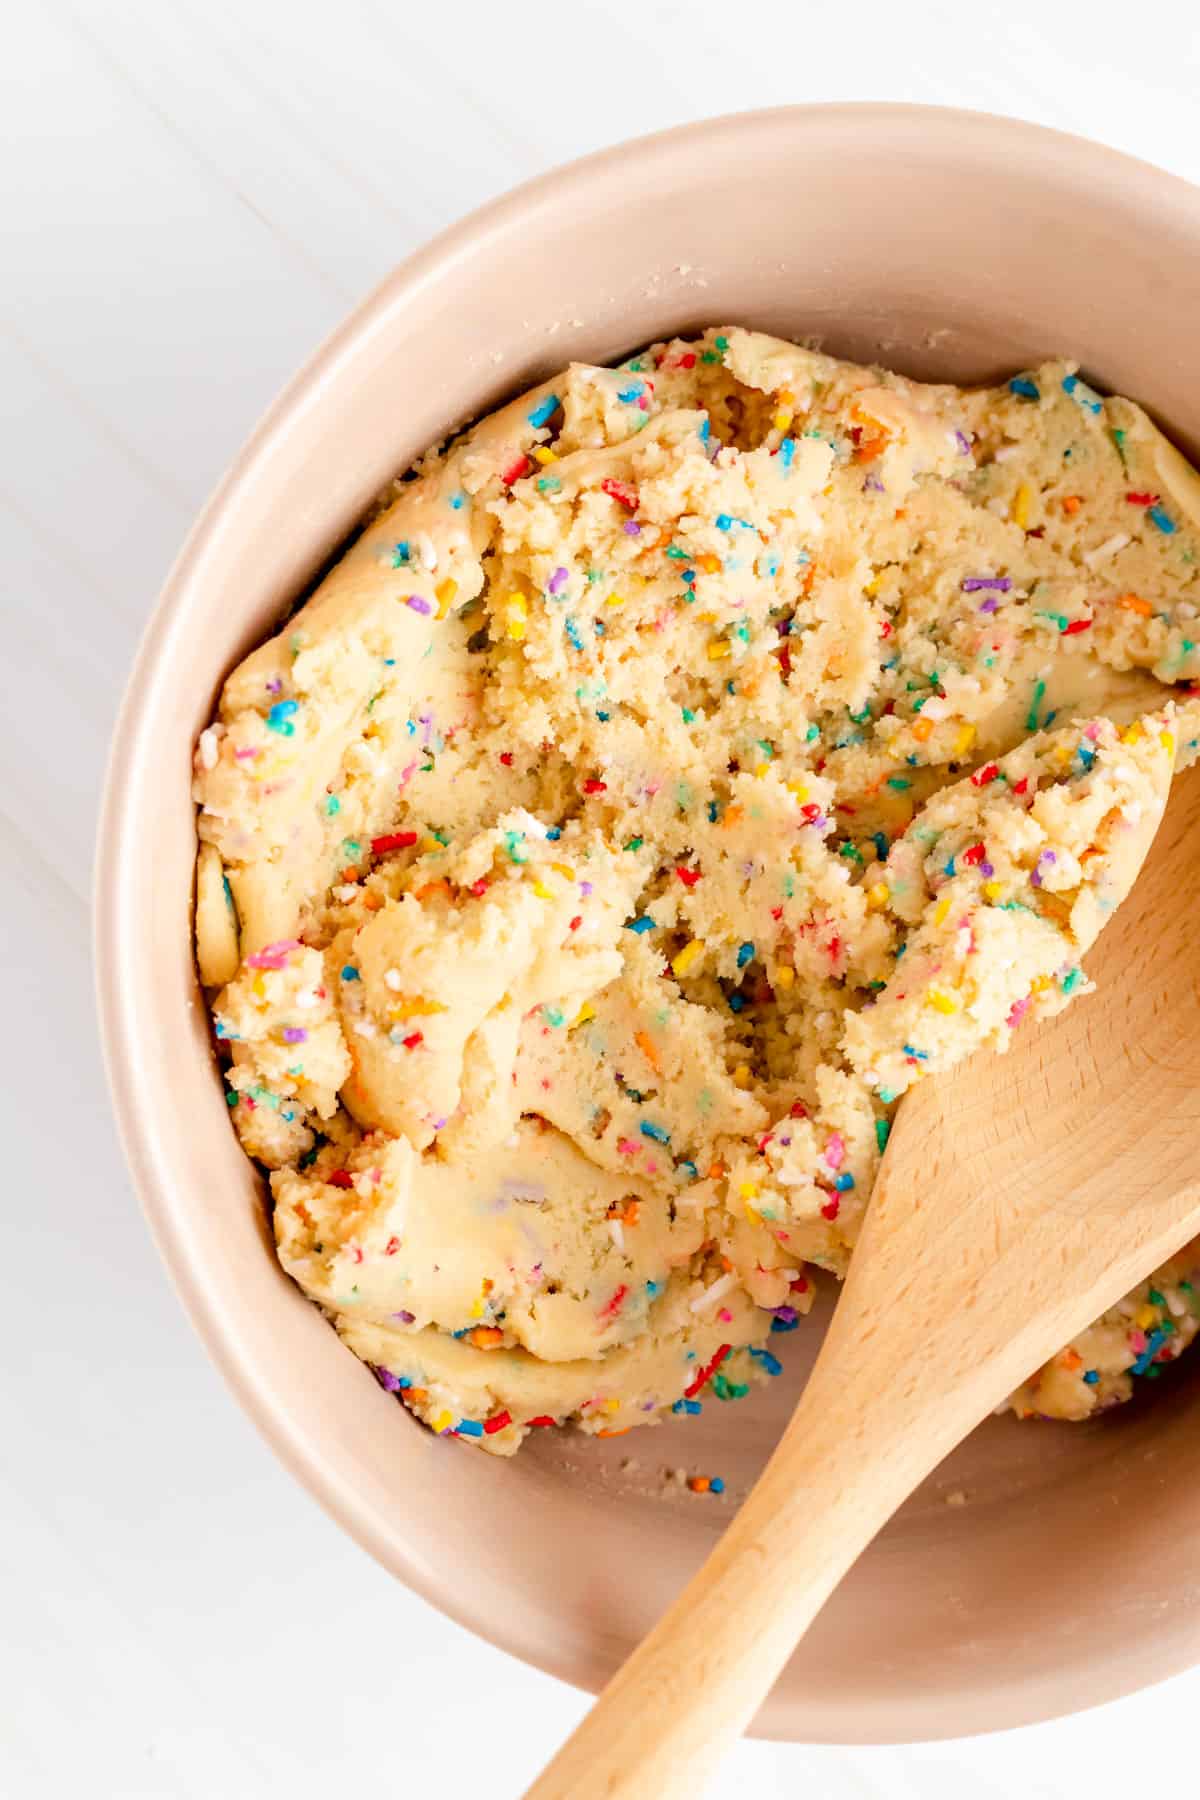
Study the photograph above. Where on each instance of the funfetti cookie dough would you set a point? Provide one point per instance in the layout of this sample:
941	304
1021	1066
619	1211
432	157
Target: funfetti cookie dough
680	765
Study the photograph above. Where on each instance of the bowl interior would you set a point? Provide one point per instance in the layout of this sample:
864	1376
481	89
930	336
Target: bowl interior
952	246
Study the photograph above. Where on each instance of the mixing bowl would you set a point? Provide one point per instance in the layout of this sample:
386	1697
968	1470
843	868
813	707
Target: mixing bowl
950	245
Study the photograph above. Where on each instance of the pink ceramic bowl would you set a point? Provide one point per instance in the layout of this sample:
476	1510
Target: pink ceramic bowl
951	245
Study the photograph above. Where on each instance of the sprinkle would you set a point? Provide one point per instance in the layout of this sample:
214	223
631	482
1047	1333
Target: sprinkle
770	1363
1020	506
273	956
279	718
1154	1344
469	1428
418	604
292	1034
497	1422
1024	388
1079	390
716	1485
593	786
515	610
544	410
445	592
745	954
658	1132
710	1368
642	924
787	450
1163	520
394	840
350	973
621	492
1031	718
1133	603
687	957
975	584
940	1002
557	581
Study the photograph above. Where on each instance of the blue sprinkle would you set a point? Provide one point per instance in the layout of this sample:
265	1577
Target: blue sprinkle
543	410
716	1485
921	1055
843	1183
630	394
658	1132
745	954
554	833
572	631
1091	1376
685	1165
778	1324
1155	1343
653	1288
1163	520
736	1002
458	501
1021	384
640	925
222	1029
689	575
713	812
686	1406
704	430
350	973
1079	390
879	839
770	1363
787	449
280	717
604	717
1086	755
401	554
469	1428
724	522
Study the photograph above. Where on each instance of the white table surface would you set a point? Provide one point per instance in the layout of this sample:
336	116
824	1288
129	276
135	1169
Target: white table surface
194	192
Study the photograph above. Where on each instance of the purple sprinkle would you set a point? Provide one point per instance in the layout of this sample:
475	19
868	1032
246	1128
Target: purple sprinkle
274	686
876	486
585	887
387	1380
787	1314
990	606
986	868
1047	856
294	1034
425	719
405	1318
975	584
418	604
557	582
632	528
962	443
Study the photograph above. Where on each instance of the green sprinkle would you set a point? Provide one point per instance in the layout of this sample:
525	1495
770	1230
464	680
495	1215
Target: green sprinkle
635	843
882	1132
688	715
333	805
1071	980
899	782
1031	717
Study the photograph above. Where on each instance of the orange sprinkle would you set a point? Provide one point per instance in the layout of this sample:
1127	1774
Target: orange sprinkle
429	888
922	730
699	1484
645	1044
1135	604
709	563
487	1337
870	448
1071	504
733	815
1071	1359
619	1432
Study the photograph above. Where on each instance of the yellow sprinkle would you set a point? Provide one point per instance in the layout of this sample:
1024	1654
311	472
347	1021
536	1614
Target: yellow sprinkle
414	1009
587	1011
542	891
872	587
799	789
748	1190
741	1076
1062	755
1147	1317
717	649
543	455
444	594
761	770
476	1309
688	957
441	1421
1167	740
992	890
1039	984
785	975
1020	506
940	911
565	870
1133	734
783	418
877	896
940	1002
964	740
753	1214
615	600
515	610
611	1406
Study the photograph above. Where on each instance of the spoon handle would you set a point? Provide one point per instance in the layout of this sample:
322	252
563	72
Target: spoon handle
660	1727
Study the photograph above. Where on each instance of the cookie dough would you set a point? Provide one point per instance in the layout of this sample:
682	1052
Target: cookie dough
678	766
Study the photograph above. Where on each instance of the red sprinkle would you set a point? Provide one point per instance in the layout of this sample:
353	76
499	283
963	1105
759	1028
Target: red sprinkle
686	361
798	1110
831	1207
515	470
613	1307
506	757
414	1038
620	491
341	1178
543	1419
395	840
689	877
498	1421
1142	499
391	1247
885	629
708	1371
575	922
1020	786
480	887
981	777
592	786
974	855
799	1286
1076	626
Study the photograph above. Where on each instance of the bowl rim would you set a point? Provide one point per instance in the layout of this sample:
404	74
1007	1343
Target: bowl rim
115	879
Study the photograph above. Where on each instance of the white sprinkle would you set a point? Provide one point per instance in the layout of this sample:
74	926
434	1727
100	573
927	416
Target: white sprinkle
364	1028
425	550
393	980
206	748
618	1233
1006	452
713	1293
1176	1305
1108	548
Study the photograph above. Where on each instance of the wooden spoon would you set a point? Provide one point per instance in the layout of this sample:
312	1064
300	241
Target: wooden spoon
1019	1198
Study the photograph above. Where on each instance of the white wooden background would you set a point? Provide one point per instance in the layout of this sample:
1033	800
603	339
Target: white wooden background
194	192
